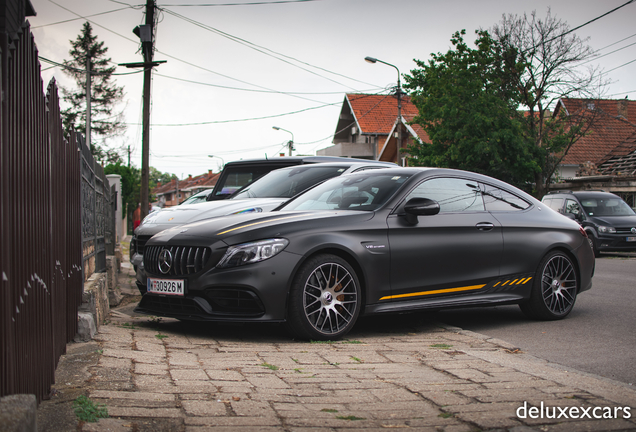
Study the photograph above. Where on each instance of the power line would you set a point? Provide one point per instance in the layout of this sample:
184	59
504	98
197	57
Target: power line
262	50
577	27
240	4
251	90
241	120
589	22
74	69
618	67
75	19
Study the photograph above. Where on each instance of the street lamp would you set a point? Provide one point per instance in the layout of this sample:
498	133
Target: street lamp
290	144
222	160
399	106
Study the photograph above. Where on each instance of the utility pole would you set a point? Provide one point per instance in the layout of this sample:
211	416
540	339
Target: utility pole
146	35
147	51
88	98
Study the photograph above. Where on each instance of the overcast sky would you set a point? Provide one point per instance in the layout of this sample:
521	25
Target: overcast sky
233	71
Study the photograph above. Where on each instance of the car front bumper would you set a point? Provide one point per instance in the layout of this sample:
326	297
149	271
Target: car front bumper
616	243
254	292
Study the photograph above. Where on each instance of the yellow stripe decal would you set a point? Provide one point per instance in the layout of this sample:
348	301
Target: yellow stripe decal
441	291
506	282
258	223
527	280
496	284
513	282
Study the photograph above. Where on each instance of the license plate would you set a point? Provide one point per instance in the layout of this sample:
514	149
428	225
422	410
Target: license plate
166	286
631	239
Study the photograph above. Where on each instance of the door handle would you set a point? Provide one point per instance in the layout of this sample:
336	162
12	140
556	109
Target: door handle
485	226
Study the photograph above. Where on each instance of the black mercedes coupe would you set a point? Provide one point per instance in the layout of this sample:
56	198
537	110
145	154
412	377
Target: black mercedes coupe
381	241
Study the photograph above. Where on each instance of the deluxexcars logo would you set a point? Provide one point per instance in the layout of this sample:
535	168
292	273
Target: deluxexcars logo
165	261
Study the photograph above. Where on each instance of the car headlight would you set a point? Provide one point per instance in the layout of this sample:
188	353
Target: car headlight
606	230
248	253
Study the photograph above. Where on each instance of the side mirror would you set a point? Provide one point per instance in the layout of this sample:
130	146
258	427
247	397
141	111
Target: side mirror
420	207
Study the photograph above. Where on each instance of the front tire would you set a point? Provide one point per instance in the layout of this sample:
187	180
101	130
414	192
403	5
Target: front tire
595	243
554	289
325	299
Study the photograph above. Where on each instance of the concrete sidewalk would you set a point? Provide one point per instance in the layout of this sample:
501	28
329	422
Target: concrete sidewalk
392	372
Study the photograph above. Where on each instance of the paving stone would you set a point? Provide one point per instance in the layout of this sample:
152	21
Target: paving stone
188	375
234	422
109	394
112	362
183	359
151	369
490	419
145	412
224	375
204	408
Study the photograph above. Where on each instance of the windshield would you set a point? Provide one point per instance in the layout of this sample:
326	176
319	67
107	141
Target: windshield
197	198
606	207
285	183
368	191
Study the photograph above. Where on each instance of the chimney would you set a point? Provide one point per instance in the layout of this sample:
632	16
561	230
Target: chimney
622	107
158	184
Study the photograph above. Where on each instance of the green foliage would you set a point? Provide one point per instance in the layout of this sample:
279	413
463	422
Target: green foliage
105	94
88	411
467	102
270	366
350	417
441	346
156	176
130	185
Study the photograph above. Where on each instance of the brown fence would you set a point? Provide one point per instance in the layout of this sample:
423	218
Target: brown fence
54	204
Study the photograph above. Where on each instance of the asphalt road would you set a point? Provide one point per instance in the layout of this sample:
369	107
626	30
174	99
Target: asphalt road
599	335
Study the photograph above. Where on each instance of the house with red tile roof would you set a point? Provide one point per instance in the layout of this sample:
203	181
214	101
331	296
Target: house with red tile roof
613	122
175	192
605	157
367	127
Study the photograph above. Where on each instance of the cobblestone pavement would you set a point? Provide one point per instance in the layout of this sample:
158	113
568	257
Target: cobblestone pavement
404	371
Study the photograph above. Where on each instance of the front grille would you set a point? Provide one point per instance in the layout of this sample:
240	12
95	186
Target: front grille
186	260
625	231
235	301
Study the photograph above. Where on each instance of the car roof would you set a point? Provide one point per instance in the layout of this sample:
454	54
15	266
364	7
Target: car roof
340	163
299	160
584	194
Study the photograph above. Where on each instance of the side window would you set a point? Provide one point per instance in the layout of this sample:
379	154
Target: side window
573	207
555	204
452	194
497	199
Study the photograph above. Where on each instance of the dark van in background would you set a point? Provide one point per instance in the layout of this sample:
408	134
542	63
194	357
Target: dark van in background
609	221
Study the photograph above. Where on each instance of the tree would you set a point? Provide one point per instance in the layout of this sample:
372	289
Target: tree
105	94
130	185
157	176
553	57
467	102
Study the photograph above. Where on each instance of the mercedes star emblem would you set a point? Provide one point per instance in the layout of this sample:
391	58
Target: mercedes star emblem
165	261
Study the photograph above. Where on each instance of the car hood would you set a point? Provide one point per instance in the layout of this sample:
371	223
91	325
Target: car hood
614	221
180	215
255	226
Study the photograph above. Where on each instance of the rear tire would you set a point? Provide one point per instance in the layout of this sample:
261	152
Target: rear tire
325	299
554	290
